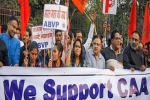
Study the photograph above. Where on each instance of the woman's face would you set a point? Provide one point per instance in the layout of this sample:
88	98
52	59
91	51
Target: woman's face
68	40
77	49
56	54
33	55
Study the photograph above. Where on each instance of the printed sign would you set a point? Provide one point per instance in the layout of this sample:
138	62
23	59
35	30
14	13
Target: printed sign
55	17
43	37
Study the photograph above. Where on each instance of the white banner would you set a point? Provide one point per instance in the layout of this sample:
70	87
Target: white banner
55	17
43	36
24	83
109	6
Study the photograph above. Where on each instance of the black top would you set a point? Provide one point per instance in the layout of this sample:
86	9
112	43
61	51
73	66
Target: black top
108	53
3	53
133	59
22	55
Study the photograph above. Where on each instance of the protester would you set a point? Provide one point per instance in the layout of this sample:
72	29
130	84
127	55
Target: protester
58	36
69	39
93	56
56	54
31	60
121	44
12	43
133	57
147	54
3	54
112	54
24	49
76	59
17	35
43	58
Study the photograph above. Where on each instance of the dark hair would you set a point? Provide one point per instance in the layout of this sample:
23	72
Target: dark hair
18	28
70	35
33	45
4	28
13	18
30	33
81	57
113	34
56	31
97	36
78	31
59	47
136	32
148	45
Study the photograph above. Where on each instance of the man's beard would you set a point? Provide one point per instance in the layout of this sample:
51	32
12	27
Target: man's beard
134	48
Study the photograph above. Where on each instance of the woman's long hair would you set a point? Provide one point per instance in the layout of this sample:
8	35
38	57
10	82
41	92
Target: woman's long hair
73	56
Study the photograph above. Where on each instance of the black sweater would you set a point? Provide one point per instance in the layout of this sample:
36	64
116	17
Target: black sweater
3	53
133	59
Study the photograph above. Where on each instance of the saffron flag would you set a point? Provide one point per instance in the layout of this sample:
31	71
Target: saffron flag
146	30
24	15
132	23
80	4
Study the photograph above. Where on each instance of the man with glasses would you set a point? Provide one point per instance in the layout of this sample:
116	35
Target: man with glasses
112	54
93	56
133	56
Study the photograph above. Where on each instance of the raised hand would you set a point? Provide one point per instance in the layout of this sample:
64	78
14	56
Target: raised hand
93	15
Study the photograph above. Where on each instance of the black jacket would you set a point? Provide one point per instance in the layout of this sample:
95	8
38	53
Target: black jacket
3	53
133	59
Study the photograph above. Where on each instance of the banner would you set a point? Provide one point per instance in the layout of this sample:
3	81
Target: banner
109	6
55	17
24	83
43	36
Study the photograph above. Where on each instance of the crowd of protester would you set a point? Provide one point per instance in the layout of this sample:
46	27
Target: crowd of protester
23	52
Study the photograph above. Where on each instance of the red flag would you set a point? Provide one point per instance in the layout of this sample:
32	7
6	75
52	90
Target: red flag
80	4
132	23
145	32
0	29
25	14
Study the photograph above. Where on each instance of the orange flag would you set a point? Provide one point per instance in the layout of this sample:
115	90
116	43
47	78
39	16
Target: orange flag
25	14
146	30
80	4
132	23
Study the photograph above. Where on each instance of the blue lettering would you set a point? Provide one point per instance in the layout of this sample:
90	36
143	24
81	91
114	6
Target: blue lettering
122	94
30	93
51	24
64	95
93	94
83	96
144	86
48	87
102	87
14	88
72	88
43	45
133	87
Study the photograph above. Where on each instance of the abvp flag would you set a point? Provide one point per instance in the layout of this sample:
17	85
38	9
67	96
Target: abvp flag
146	29
132	23
109	6
80	4
25	14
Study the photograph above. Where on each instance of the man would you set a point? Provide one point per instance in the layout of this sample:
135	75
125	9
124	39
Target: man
12	43
112	54
147	54
133	57
24	49
3	54
93	56
58	36
17	35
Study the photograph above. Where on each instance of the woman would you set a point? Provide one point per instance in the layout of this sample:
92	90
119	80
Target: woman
56	56
30	60
76	58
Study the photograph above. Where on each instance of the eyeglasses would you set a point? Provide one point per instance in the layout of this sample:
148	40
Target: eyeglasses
98	44
117	38
136	40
